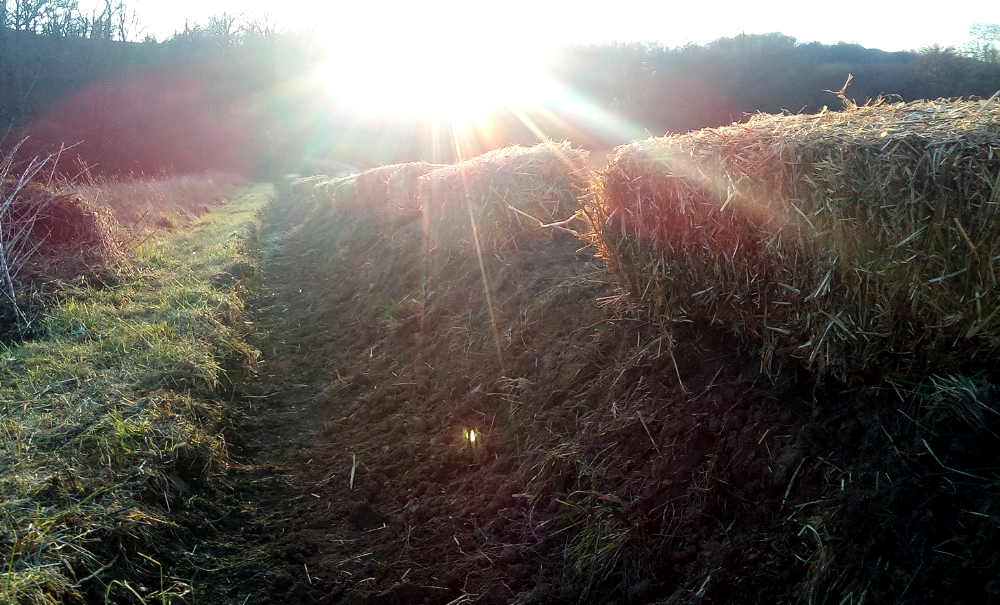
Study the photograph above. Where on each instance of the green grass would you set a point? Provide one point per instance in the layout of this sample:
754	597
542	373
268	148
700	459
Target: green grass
958	397
113	416
598	535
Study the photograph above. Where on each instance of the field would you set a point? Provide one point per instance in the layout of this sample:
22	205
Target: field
536	377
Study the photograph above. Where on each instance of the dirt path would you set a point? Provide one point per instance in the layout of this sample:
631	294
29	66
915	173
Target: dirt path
361	484
338	463
237	557
367	483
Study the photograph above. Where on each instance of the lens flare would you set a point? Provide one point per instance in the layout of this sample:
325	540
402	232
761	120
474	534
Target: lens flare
446	86
434	74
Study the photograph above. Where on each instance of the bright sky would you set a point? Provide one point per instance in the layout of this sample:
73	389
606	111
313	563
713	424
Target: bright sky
466	59
361	23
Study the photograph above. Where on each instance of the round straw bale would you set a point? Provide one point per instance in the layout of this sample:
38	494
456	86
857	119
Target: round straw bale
504	194
303	186
853	241
344	192
391	189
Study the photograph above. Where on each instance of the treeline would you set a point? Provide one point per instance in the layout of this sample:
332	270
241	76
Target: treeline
237	95
197	101
623	91
696	86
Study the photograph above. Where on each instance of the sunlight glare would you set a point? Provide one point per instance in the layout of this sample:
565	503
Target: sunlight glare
446	68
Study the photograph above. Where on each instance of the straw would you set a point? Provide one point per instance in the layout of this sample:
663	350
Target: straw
856	241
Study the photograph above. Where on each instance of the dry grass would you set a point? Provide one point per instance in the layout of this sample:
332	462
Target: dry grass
113	414
861	241
503	195
142	204
46	237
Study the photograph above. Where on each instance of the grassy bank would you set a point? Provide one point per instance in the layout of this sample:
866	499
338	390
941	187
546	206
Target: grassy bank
114	416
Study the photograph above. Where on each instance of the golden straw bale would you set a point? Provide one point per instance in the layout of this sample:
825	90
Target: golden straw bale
344	192
402	186
391	188
504	193
372	189
326	189
303	186
856	241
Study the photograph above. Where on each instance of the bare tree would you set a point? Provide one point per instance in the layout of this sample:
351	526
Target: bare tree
985	42
26	15
223	29
258	29
127	24
61	18
102	24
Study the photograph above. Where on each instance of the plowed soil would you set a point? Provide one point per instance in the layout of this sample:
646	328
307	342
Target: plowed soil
607	466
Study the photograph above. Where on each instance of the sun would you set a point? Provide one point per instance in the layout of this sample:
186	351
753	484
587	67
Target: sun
448	80
448	69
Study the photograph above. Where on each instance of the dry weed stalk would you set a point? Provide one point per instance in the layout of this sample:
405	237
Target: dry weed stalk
20	209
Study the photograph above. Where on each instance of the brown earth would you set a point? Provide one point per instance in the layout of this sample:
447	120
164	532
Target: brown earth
607	467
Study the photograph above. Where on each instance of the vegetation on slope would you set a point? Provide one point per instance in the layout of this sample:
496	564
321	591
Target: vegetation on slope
115	412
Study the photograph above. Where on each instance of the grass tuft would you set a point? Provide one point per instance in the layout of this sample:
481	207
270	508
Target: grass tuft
971	400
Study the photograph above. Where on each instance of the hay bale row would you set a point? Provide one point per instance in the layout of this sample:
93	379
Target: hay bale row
326	189
857	241
507	193
301	186
389	190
